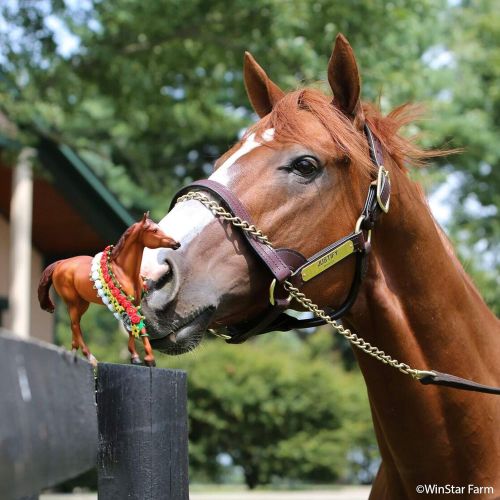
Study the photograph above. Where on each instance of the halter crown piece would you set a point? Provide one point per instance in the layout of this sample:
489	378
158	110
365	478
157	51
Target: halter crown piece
289	269
112	295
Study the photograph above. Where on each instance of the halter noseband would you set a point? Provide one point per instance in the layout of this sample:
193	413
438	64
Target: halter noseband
287	264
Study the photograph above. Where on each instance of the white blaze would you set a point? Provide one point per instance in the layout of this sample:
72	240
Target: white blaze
221	175
187	219
184	222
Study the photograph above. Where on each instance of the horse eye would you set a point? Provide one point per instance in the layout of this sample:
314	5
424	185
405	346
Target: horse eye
155	230
306	166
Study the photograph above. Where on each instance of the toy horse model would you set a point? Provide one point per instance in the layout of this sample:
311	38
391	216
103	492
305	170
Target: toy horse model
111	278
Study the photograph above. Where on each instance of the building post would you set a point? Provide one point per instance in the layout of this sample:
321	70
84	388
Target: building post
21	208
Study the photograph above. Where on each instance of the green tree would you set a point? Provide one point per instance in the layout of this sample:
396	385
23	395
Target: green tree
469	110
151	92
277	413
154	88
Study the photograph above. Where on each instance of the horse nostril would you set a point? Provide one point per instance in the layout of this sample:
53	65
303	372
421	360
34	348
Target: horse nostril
168	279
176	246
165	287
148	284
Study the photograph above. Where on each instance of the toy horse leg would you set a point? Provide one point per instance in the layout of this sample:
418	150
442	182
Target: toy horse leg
76	311
149	358
135	359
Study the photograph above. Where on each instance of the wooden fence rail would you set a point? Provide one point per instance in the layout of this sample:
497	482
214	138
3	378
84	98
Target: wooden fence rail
57	421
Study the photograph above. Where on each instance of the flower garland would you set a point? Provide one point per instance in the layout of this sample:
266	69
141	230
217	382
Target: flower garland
112	295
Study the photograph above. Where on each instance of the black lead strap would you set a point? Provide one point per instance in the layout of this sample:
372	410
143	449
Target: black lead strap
447	380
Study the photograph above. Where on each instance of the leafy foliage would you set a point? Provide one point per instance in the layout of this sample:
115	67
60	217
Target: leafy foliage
277	413
151	92
163	99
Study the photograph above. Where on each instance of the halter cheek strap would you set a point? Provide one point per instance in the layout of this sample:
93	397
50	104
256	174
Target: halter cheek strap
274	318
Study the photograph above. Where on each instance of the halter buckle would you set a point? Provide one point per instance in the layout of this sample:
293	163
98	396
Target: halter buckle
382	179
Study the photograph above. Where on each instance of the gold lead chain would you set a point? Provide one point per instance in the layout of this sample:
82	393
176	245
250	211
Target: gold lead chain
219	211
359	342
294	292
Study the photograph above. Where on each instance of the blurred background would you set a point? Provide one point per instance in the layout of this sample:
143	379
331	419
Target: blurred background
107	108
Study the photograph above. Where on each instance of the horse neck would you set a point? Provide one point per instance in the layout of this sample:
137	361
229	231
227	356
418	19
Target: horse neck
418	305
130	256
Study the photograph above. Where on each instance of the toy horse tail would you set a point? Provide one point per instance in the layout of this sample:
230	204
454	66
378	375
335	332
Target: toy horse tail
44	287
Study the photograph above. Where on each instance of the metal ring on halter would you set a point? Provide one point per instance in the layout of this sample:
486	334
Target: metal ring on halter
418	374
272	287
357	229
220	335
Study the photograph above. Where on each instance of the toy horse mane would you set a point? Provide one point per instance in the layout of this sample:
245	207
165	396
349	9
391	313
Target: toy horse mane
123	238
121	242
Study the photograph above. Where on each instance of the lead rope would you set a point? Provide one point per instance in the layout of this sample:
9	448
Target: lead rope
359	342
294	292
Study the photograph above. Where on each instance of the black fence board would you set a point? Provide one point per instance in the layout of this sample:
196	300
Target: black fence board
48	424
143	445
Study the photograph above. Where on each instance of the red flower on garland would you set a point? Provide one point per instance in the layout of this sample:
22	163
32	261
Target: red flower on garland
121	298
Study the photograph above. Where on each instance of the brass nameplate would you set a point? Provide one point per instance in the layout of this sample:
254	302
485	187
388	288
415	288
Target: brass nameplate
327	260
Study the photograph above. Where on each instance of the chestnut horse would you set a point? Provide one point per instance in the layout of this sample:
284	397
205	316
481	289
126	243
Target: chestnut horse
72	281
303	172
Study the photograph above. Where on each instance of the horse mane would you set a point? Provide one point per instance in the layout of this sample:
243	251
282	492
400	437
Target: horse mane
287	119
121	242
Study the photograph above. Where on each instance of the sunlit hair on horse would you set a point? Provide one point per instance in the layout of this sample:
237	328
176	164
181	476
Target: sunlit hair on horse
302	174
347	140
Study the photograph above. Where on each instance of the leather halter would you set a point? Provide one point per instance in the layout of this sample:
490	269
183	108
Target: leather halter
286	264
289	265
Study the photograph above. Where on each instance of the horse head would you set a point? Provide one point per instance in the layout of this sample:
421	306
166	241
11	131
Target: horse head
150	235
302	172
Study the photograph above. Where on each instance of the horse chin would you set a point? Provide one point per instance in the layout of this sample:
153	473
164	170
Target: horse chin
178	335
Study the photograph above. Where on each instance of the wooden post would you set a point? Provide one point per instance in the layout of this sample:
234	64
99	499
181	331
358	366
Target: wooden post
142	418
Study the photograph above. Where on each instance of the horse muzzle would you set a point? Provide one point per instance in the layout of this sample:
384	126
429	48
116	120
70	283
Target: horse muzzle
175	325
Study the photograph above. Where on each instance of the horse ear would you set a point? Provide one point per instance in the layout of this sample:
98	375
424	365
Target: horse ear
262	92
145	217
343	76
